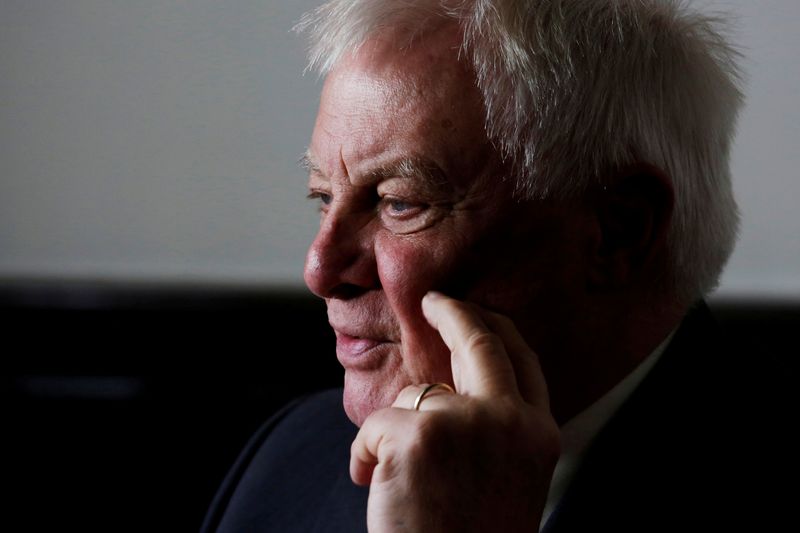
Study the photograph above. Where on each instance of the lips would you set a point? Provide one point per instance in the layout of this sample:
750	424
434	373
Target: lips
355	345
366	331
360	353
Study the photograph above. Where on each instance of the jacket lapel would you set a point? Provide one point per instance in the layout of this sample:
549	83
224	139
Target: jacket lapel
658	462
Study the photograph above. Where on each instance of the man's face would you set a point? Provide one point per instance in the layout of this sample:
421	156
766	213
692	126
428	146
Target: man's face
414	198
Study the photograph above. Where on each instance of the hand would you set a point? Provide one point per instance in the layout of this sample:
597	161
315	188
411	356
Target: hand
477	460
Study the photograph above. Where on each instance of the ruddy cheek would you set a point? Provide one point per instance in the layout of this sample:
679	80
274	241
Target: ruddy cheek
403	269
405	274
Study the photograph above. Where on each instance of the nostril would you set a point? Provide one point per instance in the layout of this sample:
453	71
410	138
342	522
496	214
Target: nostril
329	279
341	262
347	291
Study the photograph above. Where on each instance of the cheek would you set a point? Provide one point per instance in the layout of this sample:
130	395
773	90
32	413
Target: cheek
408	270
405	271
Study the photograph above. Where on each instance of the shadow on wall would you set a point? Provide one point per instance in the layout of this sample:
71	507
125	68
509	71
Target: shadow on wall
129	403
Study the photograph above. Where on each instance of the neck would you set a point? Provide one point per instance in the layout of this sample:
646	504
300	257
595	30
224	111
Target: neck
582	367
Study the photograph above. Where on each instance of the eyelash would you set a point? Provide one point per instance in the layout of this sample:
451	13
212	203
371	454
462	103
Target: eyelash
323	198
392	203
388	205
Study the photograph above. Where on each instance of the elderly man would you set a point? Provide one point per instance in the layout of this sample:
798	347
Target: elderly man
520	201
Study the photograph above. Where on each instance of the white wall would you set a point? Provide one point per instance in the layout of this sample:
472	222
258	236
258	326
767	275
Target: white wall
766	157
157	140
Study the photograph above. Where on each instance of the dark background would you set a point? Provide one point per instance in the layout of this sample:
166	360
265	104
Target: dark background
124	405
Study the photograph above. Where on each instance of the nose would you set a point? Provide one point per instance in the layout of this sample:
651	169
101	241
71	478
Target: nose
340	263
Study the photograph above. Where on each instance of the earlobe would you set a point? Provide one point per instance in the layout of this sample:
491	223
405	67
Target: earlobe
632	216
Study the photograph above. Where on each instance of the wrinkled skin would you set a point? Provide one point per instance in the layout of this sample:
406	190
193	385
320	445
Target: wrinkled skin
412	198
451	224
479	460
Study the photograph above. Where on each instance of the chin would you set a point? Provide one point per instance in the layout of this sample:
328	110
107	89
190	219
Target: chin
365	394
355	411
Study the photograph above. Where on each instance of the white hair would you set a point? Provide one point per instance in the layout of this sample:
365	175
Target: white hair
575	90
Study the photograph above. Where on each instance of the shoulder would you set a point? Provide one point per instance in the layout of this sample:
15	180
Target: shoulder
702	437
296	464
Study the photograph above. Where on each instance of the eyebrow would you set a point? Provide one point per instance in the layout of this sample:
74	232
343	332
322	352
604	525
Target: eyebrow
306	162
409	167
403	167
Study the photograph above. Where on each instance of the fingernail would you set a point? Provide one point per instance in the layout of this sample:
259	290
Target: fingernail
427	301
432	295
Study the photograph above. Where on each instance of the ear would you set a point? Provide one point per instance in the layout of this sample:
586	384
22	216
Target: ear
633	215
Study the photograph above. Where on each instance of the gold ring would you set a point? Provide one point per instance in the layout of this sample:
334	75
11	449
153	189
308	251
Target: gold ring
426	390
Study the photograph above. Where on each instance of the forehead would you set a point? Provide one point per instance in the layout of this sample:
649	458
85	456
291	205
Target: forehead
382	105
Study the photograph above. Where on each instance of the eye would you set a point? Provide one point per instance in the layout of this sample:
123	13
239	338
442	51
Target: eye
322	197
400	209
409	205
399	206
402	216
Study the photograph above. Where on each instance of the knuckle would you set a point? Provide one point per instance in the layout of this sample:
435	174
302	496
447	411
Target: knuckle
509	419
407	395
481	340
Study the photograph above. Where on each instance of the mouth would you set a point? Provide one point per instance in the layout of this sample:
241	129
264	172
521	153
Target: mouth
360	353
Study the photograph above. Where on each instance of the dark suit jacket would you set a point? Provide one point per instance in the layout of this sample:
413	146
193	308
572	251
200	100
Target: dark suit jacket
699	446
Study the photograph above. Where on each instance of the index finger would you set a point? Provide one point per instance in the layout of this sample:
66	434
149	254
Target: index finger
479	360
